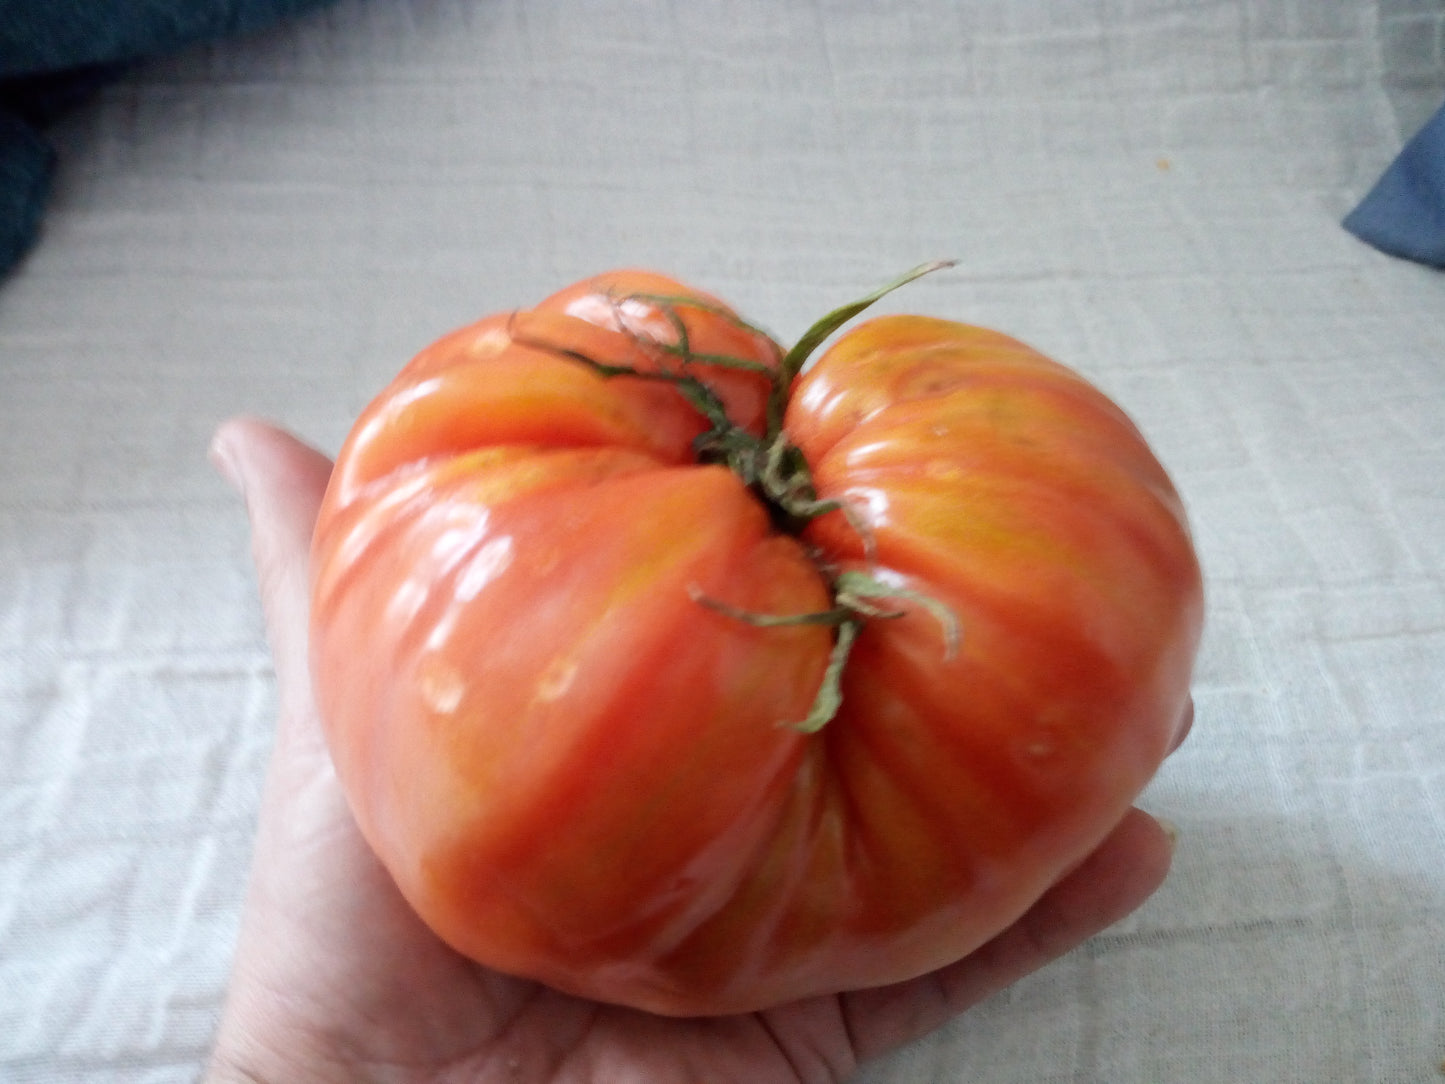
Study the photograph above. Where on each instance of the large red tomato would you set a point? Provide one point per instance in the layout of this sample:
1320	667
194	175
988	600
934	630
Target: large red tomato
548	578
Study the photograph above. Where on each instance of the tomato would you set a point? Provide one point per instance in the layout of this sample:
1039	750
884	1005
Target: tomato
665	675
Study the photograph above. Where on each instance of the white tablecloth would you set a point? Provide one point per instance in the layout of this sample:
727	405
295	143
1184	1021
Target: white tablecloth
1149	190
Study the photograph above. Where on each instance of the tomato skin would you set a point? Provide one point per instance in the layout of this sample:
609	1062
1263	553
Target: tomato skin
578	771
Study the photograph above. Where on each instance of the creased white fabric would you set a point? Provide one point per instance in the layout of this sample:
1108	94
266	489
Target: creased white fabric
1149	190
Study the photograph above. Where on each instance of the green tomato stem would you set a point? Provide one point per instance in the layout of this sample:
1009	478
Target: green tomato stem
774	468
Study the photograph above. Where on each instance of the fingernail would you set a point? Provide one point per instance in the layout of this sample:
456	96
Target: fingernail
1171	830
223	458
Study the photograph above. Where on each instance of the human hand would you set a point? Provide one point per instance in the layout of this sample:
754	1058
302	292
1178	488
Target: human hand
336	979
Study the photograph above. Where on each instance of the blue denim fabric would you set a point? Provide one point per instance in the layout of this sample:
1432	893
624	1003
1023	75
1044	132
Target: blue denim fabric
55	53
1404	214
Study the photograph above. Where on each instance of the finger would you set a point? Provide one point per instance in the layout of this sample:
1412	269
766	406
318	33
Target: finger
1119	876
283	482
1186	724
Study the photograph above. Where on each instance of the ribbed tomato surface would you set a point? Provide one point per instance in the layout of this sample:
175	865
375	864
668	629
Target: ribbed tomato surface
575	754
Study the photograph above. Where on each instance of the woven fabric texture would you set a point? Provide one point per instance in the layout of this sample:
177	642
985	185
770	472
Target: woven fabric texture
1149	190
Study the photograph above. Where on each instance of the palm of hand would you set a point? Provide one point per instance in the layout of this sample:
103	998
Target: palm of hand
356	986
337	979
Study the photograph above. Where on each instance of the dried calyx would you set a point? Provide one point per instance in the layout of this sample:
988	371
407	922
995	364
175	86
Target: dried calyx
771	466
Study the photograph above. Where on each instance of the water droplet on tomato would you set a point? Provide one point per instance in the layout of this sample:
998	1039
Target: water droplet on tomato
441	686
557	678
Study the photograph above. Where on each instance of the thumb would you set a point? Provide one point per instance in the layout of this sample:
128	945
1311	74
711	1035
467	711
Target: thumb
282	481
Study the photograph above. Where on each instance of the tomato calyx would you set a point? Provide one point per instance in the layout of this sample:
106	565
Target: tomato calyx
769	464
853	606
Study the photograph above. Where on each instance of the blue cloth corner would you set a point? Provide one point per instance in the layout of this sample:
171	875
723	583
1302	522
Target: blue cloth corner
56	53
26	164
1404	214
